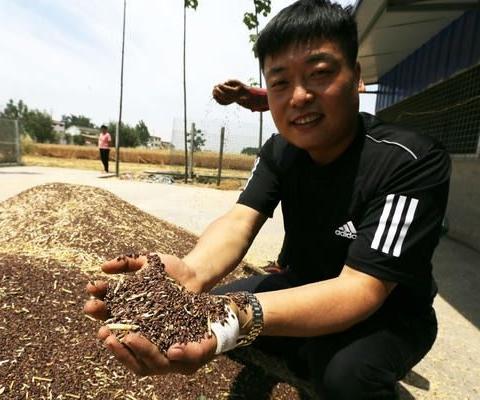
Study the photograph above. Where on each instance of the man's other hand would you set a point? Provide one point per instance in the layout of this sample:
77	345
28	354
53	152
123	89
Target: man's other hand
232	91
144	358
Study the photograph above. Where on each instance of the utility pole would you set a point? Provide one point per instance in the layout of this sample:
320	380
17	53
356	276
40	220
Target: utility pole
220	158
192	143
185	89
119	124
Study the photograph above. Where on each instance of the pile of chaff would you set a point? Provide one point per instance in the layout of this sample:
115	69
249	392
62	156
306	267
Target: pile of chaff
83	226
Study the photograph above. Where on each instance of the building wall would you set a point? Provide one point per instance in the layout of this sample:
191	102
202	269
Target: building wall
453	49
463	210
58	126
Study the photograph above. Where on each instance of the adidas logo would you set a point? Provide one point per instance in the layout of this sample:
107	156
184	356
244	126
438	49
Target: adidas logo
347	230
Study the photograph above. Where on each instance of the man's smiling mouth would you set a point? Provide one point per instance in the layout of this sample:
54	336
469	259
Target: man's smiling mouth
307	119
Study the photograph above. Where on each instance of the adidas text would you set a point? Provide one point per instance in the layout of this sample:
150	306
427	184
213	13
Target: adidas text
347	231
348	235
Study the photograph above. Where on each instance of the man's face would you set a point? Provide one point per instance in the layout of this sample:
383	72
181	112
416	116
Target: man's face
313	97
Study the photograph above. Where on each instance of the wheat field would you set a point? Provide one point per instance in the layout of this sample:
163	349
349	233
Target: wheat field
206	159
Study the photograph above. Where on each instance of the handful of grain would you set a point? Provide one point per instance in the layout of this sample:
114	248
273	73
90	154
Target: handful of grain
153	304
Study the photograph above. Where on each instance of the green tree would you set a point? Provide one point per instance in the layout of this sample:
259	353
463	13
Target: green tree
186	4
77	120
142	133
261	7
38	125
191	4
128	135
250	19
198	141
14	111
78	139
251	151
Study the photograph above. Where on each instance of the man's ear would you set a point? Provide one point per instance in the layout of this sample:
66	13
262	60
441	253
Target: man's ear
358	78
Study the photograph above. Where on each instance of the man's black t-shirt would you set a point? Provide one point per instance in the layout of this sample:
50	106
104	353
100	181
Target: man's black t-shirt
378	208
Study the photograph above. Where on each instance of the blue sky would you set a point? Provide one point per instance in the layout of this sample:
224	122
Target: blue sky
64	57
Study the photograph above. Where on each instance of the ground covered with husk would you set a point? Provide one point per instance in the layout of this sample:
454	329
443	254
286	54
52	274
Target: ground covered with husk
52	240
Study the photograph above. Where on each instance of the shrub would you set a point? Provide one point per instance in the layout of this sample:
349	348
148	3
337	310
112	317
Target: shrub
27	144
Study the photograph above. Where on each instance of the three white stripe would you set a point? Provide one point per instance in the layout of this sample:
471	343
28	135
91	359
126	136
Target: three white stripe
257	160
394	224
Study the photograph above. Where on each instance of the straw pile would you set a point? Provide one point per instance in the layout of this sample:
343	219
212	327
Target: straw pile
83	226
52	238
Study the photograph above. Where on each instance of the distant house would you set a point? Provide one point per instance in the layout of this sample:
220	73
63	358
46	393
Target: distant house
158	143
81	130
154	141
58	126
89	134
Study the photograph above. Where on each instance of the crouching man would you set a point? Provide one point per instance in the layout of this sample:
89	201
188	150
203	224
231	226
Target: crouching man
363	203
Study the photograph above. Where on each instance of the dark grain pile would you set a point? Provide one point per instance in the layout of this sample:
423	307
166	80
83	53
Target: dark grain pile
155	305
48	348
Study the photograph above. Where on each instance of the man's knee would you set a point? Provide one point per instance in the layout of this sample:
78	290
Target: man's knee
347	377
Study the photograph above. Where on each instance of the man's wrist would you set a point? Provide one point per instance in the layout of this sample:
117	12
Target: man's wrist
255	99
250	316
192	281
244	317
242	324
257	91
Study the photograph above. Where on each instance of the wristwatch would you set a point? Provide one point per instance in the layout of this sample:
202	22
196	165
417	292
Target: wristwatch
257	321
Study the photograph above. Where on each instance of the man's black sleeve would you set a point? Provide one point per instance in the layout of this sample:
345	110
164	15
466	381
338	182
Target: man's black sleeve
261	191
401	225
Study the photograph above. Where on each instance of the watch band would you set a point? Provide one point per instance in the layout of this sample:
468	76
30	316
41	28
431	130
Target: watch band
257	320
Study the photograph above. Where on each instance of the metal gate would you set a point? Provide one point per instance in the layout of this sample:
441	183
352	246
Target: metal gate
9	142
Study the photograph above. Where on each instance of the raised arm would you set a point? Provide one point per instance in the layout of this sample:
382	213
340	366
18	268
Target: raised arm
234	91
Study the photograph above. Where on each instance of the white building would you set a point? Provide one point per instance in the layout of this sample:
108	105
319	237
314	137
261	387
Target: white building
58	126
81	130
156	142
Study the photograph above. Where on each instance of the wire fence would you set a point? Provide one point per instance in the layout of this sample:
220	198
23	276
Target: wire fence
238	135
9	142
449	111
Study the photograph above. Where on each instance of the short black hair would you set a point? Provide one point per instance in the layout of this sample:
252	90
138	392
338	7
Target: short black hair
104	127
306	20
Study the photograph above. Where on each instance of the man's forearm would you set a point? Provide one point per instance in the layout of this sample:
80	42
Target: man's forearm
323	307
220	248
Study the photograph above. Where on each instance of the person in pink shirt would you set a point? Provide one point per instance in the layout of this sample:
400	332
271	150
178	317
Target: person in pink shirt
104	146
